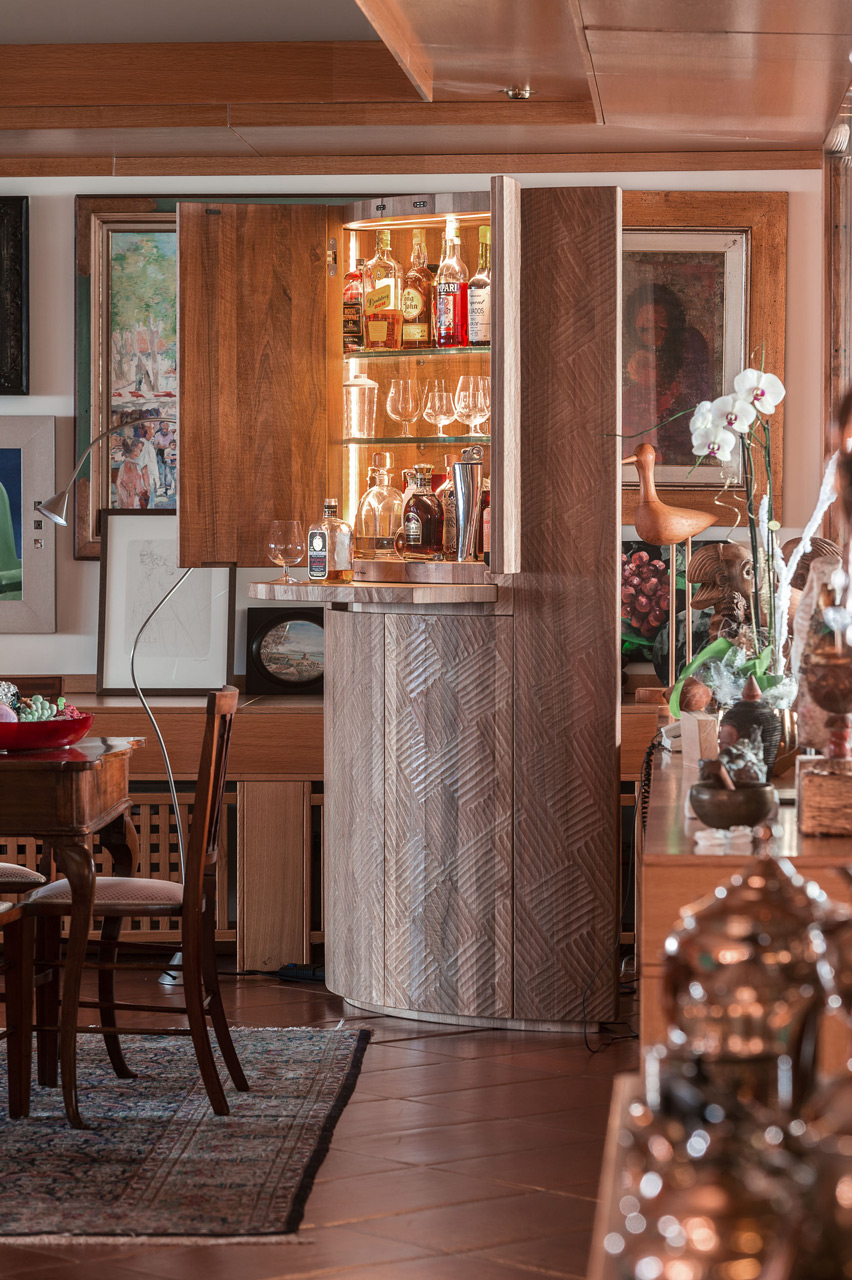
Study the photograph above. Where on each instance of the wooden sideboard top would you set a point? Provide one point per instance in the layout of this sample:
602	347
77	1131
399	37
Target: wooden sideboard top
182	703
670	835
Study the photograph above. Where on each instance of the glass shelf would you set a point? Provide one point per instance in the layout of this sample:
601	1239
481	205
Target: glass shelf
414	352
374	440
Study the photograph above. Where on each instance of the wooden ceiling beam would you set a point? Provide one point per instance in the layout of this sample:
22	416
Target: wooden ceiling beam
397	34
84	75
410	114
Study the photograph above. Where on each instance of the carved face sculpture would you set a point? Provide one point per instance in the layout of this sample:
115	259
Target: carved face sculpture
723	569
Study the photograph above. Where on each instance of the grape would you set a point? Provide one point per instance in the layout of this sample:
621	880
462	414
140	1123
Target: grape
644	593
643	604
641	557
628	593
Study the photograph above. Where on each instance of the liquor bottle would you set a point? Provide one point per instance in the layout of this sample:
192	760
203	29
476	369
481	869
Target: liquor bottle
451	294
447	495
383	298
423	520
379	515
484	510
330	547
479	294
417	296
353	308
435	267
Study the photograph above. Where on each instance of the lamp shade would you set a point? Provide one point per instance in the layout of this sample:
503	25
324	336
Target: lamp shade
54	508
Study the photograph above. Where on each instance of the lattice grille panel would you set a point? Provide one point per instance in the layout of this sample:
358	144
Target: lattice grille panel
159	857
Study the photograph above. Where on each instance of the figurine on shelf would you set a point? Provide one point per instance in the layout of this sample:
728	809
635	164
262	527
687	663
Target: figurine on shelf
748	714
725	574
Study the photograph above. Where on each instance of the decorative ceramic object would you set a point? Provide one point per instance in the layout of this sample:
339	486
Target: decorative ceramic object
752	713
694	695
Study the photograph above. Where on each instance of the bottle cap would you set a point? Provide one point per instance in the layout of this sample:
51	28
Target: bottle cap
359	262
423	470
382	461
331	502
384	238
484	235
452	229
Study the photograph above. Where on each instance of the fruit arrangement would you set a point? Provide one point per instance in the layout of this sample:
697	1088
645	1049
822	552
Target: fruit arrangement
644	599
27	710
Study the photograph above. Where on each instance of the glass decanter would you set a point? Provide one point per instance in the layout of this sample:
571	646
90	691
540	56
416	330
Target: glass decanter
379	516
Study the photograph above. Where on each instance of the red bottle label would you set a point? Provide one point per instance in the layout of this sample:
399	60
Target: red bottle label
451	313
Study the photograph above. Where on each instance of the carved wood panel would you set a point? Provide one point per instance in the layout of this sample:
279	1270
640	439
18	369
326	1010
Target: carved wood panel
566	606
354	804
448	814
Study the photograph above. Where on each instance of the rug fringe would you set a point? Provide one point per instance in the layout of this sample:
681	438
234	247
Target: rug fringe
65	1240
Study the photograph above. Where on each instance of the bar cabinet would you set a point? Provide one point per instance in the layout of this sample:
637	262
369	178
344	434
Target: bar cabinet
471	711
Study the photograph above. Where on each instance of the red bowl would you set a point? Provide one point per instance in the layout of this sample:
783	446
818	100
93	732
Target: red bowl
41	735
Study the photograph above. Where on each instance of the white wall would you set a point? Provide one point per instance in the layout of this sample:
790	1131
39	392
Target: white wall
73	649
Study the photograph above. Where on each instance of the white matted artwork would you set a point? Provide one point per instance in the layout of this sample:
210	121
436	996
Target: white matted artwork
188	646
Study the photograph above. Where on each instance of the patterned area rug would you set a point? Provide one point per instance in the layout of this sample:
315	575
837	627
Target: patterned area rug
157	1162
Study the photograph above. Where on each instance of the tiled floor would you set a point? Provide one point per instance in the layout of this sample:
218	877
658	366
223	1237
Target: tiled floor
463	1155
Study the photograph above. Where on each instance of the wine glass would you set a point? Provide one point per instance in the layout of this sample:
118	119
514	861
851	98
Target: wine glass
485	386
438	407
404	402
471	408
285	545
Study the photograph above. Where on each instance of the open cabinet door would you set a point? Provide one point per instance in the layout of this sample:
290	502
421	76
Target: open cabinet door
566	606
252	351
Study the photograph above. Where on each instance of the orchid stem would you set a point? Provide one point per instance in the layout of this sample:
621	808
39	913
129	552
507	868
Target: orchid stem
752	529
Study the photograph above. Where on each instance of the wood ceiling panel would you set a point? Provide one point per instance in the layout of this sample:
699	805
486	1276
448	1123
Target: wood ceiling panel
769	87
95	74
792	16
407	115
152	117
122	142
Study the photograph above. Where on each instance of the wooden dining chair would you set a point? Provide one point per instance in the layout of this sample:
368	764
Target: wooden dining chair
18	929
193	903
15	879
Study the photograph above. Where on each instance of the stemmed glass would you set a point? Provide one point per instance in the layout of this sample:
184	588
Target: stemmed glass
438	407
470	402
404	402
285	545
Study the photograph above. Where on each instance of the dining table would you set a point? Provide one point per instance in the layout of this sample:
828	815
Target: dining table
63	797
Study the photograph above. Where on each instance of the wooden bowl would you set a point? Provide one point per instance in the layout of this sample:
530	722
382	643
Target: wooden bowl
720	808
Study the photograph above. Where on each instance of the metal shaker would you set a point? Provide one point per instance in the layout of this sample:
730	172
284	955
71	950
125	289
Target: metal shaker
467	483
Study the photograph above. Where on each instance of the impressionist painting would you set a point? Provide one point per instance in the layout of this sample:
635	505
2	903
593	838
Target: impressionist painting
143	370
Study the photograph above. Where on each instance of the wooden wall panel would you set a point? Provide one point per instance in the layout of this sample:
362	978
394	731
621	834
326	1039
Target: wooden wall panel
448	816
252	375
353	852
566	606
271	875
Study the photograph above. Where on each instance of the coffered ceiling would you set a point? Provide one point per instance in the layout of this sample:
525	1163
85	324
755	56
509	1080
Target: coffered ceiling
267	84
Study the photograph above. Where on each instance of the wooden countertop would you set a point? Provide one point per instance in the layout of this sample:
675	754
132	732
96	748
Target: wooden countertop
420	593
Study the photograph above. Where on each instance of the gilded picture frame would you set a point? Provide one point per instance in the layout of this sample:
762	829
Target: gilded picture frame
759	221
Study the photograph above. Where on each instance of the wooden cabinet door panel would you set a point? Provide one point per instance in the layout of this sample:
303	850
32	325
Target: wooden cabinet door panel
252	326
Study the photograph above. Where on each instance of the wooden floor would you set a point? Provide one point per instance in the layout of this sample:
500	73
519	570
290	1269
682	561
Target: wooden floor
463	1155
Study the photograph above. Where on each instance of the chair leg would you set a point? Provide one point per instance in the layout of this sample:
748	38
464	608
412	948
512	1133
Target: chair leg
193	991
107	952
19	942
216	1008
48	941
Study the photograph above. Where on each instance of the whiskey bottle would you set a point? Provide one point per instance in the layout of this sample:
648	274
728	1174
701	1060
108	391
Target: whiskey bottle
417	296
353	308
330	547
423	520
379	513
383	298
479	294
451	283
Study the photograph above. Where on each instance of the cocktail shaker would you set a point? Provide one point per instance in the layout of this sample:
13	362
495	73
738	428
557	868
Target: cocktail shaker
467	483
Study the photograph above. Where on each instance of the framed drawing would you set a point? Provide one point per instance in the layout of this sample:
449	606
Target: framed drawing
126	376
14	296
27	540
704	288
285	650
189	646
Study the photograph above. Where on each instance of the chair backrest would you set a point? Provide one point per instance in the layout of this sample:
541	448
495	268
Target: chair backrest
209	790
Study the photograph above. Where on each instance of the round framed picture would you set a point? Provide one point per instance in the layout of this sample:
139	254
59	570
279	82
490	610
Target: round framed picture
285	651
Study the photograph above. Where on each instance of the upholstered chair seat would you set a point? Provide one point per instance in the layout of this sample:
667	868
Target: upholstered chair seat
118	896
15	879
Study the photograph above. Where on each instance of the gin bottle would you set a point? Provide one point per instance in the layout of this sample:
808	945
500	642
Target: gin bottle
479	294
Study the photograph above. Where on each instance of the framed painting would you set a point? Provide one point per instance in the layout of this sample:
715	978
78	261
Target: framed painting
285	650
189	646
704	289
14	296
126	377
27	539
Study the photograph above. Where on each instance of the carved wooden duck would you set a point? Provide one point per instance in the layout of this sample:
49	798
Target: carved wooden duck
655	521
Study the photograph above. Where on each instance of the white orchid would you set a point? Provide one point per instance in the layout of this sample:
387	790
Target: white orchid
734	413
763	390
713	440
702	417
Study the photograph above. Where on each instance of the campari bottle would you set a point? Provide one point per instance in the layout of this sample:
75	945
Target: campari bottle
450	293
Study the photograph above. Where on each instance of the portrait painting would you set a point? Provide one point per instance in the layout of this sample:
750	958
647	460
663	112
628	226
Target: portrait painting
682	336
126	360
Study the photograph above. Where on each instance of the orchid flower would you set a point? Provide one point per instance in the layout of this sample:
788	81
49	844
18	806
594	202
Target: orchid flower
763	390
702	417
713	440
734	413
